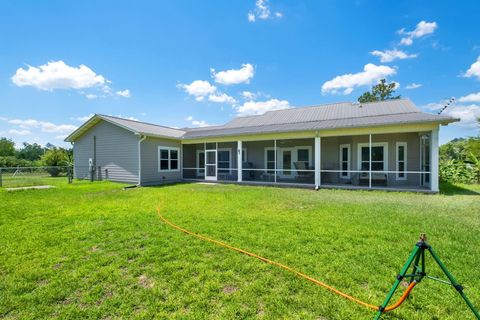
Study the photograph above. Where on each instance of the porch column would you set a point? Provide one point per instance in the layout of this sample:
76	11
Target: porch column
318	144
434	160
239	161
370	161
275	157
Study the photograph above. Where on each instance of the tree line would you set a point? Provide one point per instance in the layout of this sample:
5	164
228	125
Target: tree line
33	155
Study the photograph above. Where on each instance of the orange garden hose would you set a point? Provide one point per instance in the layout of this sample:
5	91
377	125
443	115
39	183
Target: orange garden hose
298	273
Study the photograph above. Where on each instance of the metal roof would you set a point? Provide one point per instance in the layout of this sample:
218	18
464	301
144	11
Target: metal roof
137	127
328	116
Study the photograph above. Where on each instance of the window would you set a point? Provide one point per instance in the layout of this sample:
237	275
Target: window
244	155
270	160
379	156
345	161
401	161
303	155
223	160
168	159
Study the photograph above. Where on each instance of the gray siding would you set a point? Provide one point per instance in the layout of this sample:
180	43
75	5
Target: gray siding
256	150
116	151
331	154
150	169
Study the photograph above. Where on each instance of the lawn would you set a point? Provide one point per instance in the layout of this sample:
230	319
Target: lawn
93	250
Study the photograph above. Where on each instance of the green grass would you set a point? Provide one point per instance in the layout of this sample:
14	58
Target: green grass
28	180
92	250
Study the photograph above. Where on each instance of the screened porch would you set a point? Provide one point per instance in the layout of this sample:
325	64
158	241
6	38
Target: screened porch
399	161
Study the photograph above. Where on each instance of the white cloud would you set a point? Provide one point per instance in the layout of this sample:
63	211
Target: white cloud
222	98
391	55
57	75
346	83
60	128
413	85
474	70
262	11
198	88
84	118
197	123
247	95
22	132
234	76
472	97
467	114
44	126
61	136
3	119
124	93
259	107
91	96
422	29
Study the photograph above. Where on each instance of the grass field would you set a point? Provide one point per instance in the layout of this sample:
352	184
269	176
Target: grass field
93	250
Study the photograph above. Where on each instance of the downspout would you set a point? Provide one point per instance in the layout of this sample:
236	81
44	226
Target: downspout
140	159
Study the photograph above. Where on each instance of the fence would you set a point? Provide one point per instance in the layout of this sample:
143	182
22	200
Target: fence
33	176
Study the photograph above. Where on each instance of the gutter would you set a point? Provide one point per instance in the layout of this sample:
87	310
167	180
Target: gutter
140	159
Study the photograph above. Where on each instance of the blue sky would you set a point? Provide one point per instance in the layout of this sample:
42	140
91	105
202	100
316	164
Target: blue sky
192	63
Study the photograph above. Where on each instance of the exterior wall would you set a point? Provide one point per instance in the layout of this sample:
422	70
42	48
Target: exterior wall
116	153
331	152
150	161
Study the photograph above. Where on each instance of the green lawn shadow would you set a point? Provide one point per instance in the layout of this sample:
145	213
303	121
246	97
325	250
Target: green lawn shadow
449	189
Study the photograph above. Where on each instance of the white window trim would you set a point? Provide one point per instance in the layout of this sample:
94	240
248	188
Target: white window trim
294	151
295	159
340	157
169	158
229	159
398	144
374	144
266	149
244	152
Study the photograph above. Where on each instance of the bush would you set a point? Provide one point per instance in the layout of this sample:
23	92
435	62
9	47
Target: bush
12	161
54	158
460	161
460	172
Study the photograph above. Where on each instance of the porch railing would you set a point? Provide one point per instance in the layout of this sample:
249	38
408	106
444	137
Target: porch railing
388	179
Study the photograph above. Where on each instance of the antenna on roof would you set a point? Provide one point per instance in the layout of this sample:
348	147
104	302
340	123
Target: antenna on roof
452	99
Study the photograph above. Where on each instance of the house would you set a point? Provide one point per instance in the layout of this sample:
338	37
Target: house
382	145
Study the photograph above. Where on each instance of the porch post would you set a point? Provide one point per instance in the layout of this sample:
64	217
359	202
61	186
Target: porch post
318	143
239	161
370	161
434	160
275	157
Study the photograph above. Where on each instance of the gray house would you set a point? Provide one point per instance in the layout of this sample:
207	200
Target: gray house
383	145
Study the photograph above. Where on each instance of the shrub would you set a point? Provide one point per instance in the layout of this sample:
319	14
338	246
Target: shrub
54	158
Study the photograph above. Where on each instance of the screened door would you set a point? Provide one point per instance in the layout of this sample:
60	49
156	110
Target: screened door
211	165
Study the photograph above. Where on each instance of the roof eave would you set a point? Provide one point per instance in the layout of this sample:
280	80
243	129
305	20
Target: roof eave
439	121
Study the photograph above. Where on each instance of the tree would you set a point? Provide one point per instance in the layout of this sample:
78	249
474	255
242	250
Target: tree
53	158
381	91
7	147
31	152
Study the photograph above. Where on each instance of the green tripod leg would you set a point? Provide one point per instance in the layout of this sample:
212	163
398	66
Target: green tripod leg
415	252
454	282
